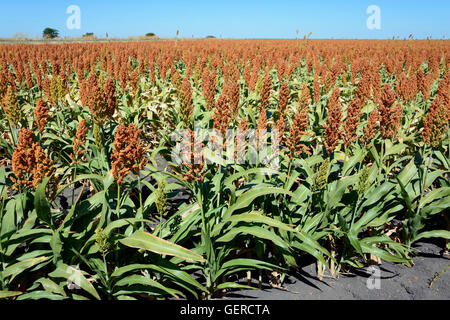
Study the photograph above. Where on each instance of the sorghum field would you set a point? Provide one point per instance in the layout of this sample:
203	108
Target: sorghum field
349	163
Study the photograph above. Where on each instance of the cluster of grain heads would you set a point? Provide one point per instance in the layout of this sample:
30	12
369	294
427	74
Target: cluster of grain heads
222	115
11	107
296	132
102	241
424	82
241	144
57	89
186	107
443	92
41	115
98	139
436	123
208	87
161	198
193	162
407	87
79	143
110	97
30	163
176	79
134	82
321	177
23	159
363	180
364	88
283	97
253	80
305	97
333	129
265	92
44	166
371	127
233	93
351	121
390	115
99	99
129	152
280	127
316	88
261	129
328	82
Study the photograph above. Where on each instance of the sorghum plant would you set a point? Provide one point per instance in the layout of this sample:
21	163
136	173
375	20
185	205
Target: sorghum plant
129	152
41	115
333	129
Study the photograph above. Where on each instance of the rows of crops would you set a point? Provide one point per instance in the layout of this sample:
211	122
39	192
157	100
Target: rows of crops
350	165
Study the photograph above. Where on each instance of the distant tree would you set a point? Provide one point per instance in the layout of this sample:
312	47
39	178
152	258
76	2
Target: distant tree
210	37
150	34
88	35
50	33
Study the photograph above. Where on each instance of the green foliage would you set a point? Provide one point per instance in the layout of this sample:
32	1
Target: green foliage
139	240
50	33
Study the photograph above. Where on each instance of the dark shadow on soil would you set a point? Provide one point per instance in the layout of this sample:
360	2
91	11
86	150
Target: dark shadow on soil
396	281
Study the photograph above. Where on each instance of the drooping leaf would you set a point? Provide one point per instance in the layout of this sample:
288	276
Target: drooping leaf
75	276
147	241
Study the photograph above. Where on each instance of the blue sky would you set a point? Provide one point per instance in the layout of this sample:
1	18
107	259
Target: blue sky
229	19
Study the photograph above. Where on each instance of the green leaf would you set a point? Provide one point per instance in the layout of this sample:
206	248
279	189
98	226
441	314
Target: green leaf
141	280
9	294
394	150
40	202
38	295
127	298
334	196
56	244
228	183
443	192
354	241
408	172
163	267
76	276
9	218
247	198
241	264
123	222
233	285
147	241
379	192
367	217
19	267
255	217
381	253
445	234
51	286
351	163
256	231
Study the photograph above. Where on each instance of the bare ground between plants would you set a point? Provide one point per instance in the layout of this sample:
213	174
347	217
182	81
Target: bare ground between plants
398	282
